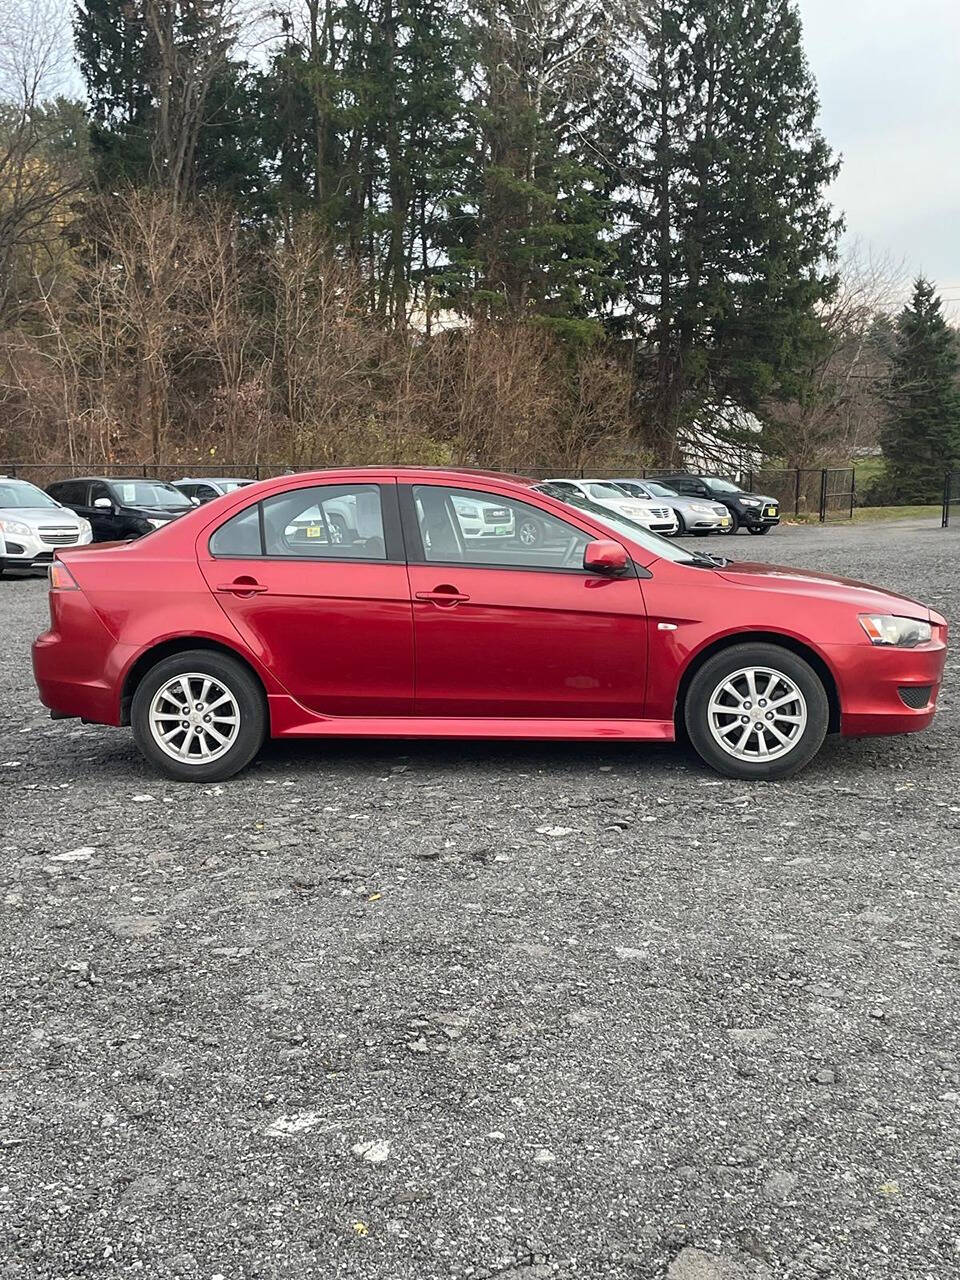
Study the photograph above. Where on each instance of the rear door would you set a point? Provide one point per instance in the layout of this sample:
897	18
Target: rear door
508	629
314	581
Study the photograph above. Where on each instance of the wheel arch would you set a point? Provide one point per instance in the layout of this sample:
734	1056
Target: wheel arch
166	649
791	643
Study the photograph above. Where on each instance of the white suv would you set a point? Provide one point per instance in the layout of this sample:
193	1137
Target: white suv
33	525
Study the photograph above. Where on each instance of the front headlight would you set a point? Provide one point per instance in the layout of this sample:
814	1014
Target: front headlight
704	510
887	629
751	502
16	527
156	524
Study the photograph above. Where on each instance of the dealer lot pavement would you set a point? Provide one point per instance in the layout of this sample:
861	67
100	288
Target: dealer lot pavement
599	1012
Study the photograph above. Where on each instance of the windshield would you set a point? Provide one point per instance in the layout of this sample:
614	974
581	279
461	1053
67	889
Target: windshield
722	486
148	493
660	490
606	491
17	493
629	529
228	486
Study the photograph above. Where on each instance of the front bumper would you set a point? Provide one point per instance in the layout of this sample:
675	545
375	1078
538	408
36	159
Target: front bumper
31	549
760	517
876	685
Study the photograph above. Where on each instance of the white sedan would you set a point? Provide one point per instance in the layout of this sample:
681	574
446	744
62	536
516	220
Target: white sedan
654	515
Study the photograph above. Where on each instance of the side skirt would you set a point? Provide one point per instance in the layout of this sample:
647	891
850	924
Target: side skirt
290	720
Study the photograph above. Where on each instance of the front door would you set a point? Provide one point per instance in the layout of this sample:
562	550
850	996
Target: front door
507	622
314	581
103	520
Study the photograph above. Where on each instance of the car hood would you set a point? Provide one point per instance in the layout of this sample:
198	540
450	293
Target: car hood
42	517
772	577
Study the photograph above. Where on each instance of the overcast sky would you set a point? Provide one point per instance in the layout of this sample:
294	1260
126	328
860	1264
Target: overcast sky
889	79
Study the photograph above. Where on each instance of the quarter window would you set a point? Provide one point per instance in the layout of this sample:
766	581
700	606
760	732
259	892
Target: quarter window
467	527
240	536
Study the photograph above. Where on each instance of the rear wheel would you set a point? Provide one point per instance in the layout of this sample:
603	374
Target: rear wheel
756	711
199	716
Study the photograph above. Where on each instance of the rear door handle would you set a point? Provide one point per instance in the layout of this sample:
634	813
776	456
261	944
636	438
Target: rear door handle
242	587
444	596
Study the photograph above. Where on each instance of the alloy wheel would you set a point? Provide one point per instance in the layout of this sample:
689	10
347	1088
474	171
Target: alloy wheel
757	714
194	718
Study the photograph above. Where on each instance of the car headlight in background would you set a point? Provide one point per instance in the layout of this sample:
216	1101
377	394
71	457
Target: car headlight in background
751	502
156	524
703	509
16	527
887	629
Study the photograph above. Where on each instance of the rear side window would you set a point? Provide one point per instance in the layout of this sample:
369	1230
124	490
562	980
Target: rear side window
239	536
336	522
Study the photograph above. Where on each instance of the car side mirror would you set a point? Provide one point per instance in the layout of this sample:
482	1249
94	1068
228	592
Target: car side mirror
195	500
606	558
103	503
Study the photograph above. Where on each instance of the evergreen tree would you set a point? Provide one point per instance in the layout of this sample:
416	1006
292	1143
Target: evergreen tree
732	236
921	437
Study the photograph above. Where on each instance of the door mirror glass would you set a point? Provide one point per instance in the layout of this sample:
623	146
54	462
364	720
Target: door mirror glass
103	503
603	557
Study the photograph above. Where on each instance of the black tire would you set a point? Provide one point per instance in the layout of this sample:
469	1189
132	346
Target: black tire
760	528
681	525
235	677
707	681
338	530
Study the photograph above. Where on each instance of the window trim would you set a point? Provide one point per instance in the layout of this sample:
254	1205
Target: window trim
416	553
389	514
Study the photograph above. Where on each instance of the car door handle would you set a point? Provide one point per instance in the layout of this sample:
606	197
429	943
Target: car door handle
242	587
443	596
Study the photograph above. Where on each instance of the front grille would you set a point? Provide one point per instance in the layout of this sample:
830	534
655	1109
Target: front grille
915	696
661	513
59	537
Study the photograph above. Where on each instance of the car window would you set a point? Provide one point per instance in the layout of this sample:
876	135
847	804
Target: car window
239	536
467	527
204	491
19	493
99	490
603	492
70	492
660	490
148	493
338	522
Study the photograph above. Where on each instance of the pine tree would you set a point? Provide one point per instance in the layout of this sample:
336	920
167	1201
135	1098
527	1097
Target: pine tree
921	437
732	236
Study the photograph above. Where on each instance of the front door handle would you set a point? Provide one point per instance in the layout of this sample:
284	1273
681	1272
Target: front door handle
444	596
242	587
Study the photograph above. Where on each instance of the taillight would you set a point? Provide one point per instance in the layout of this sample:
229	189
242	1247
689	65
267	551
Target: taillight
61	579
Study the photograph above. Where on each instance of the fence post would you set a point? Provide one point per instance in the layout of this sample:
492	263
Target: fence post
796	494
947	494
853	490
823	495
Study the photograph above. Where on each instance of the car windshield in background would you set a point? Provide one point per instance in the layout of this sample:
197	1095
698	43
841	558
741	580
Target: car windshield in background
229	486
606	491
660	490
625	528
724	486
16	493
143	493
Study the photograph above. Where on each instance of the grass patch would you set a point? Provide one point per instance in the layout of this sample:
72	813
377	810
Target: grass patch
863	514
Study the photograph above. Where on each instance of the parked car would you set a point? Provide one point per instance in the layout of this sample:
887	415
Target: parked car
206	488
755	512
32	524
694	515
226	626
121	509
656	516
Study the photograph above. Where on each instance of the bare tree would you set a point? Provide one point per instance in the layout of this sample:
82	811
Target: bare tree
36	178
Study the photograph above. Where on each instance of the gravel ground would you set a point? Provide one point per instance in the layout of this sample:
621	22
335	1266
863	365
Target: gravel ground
603	1014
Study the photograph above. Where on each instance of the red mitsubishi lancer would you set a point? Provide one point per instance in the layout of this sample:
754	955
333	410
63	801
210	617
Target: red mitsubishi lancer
408	603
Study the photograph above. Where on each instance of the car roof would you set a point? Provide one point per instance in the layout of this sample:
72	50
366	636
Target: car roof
214	480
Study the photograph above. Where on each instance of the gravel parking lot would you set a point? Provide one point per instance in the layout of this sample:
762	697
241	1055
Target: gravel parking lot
599	1012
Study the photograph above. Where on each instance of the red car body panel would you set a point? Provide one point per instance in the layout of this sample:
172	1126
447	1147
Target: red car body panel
346	648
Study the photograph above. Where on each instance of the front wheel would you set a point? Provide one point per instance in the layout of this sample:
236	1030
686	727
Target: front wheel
733	526
529	532
756	711
199	716
760	528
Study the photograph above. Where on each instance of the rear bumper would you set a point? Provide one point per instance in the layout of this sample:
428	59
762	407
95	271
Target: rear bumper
77	664
870	679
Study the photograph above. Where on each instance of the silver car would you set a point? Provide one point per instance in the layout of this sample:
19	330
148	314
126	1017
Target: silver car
33	525
202	489
695	515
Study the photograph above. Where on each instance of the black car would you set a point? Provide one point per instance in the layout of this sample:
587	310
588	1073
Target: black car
756	512
120	509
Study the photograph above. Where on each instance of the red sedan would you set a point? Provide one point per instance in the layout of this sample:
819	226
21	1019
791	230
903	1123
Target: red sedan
420	603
